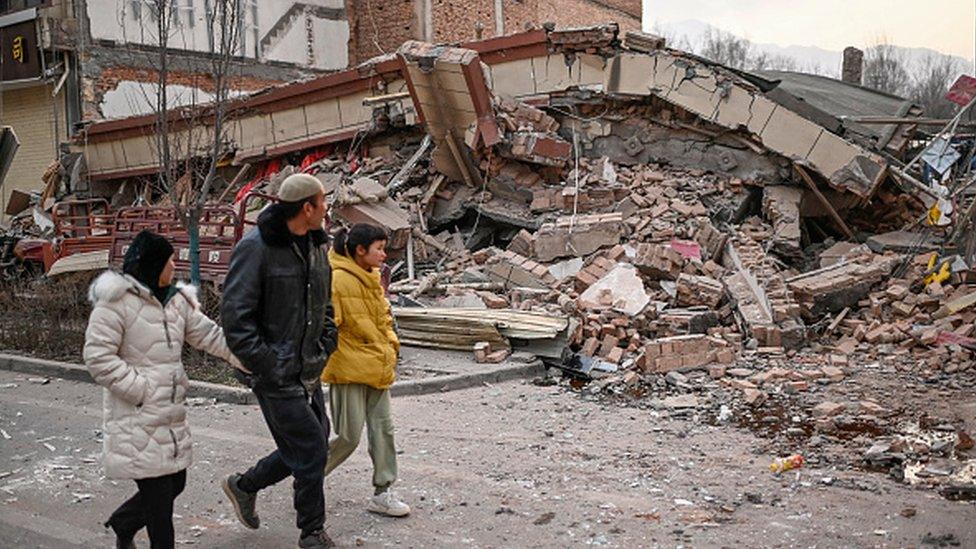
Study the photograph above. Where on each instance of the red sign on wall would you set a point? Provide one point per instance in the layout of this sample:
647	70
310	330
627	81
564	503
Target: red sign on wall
963	91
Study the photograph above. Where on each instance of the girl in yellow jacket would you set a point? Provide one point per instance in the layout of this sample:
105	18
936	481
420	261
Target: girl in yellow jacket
361	370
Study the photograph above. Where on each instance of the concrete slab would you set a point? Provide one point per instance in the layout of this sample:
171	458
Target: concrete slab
760	112
903	242
697	92
789	134
515	78
831	153
736	109
289	124
323	117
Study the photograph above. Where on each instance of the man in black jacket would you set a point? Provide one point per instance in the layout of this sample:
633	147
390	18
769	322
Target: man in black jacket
277	317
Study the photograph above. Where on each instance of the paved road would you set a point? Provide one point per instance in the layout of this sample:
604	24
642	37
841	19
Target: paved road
494	466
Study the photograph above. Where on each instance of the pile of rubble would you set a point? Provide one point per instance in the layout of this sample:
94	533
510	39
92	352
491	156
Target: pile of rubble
583	209
649	221
653	266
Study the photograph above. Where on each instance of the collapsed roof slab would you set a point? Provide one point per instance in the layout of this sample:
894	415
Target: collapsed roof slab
720	97
526	66
451	94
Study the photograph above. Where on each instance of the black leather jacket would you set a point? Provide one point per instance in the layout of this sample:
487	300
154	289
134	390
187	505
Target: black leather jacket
277	308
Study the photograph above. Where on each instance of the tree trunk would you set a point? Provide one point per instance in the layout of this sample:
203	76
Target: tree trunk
193	228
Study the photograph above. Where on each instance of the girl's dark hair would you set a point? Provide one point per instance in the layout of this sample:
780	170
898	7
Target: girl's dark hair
361	234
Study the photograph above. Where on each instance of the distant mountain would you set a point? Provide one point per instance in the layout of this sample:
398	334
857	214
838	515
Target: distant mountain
691	34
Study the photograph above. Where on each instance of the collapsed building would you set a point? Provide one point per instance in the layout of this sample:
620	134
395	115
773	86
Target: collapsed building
634	192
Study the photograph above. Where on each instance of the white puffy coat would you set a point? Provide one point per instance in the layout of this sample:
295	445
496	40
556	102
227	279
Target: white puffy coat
133	349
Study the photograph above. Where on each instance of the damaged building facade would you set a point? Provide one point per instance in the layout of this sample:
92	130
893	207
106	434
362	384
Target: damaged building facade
71	62
96	59
635	192
378	27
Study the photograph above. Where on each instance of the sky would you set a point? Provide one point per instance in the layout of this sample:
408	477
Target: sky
947	26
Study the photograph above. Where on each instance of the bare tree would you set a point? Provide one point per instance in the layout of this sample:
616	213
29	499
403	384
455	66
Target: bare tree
672	40
931	81
884	69
727	49
739	53
814	67
764	61
192	139
226	16
160	12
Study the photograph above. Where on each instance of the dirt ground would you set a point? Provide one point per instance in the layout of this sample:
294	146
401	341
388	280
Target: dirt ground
512	465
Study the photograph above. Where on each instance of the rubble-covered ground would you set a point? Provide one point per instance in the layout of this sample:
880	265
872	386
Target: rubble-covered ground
514	464
866	415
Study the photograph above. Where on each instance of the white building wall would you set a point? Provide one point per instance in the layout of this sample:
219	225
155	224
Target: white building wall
330	43
130	21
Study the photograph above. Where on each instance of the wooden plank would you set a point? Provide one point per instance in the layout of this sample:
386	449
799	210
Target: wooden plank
956	305
838	320
826	203
510	323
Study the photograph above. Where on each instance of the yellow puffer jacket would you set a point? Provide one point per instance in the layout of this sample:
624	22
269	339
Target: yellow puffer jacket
368	347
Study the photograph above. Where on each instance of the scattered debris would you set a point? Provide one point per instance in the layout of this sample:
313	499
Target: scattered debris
704	239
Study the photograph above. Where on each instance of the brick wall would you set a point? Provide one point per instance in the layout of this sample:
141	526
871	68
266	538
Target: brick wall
387	23
581	13
455	21
110	78
392	22
628	7
30	111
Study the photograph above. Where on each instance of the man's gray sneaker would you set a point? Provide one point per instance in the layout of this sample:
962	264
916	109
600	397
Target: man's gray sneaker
242	501
316	540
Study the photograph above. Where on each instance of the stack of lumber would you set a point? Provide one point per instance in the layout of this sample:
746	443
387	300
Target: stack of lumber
459	329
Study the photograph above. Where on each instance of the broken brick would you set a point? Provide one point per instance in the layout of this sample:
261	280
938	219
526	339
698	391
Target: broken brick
832	373
828	409
753	397
578	236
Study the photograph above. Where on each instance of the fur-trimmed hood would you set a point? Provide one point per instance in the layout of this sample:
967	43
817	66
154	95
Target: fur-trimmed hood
111	286
274	229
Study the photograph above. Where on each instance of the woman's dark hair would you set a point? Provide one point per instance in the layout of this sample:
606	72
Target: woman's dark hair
289	210
361	234
146	257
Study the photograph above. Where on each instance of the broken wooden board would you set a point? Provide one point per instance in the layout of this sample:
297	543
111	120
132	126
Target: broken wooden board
86	261
456	334
956	305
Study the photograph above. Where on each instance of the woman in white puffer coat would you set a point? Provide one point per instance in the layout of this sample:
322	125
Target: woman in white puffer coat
133	348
